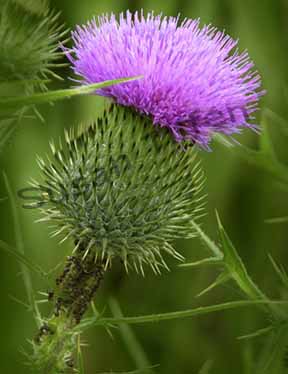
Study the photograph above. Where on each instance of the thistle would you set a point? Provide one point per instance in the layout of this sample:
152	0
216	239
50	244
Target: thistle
126	186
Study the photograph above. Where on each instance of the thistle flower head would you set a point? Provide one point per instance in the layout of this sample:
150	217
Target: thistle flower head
195	82
120	189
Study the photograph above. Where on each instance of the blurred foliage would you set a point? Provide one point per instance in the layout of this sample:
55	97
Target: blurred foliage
245	195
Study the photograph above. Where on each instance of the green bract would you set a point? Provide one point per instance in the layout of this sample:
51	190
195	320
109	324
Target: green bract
122	188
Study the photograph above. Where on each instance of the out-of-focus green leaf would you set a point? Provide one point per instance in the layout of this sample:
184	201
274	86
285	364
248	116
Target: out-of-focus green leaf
277	220
265	158
22	259
280	271
266	145
206	368
236	267
20	254
260	332
272	356
136	351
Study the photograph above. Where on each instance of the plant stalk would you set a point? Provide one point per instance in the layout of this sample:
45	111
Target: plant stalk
56	341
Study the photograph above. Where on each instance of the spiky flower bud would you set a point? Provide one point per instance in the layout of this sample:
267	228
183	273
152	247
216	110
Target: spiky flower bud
122	188
28	41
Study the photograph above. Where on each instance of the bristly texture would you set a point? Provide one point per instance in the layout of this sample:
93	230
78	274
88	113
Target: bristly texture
123	190
29	43
195	81
39	7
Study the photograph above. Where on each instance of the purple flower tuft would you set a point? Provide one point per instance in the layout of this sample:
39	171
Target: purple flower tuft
194	80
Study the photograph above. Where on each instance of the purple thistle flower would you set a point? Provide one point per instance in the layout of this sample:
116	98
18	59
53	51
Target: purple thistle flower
194	80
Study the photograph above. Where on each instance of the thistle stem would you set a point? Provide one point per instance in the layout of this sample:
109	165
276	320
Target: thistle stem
56	340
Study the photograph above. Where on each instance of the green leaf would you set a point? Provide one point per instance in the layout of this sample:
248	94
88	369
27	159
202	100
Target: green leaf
236	267
218	255
280	271
22	259
265	158
266	145
221	279
20	254
51	96
271	360
206	368
268	164
277	220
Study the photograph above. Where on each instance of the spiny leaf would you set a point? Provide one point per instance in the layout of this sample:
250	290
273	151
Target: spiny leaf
236	266
221	279
218	255
51	96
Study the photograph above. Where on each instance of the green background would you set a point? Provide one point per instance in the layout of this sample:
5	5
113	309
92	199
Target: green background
243	195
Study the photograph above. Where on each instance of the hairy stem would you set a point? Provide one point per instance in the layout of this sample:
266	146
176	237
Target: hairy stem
56	340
